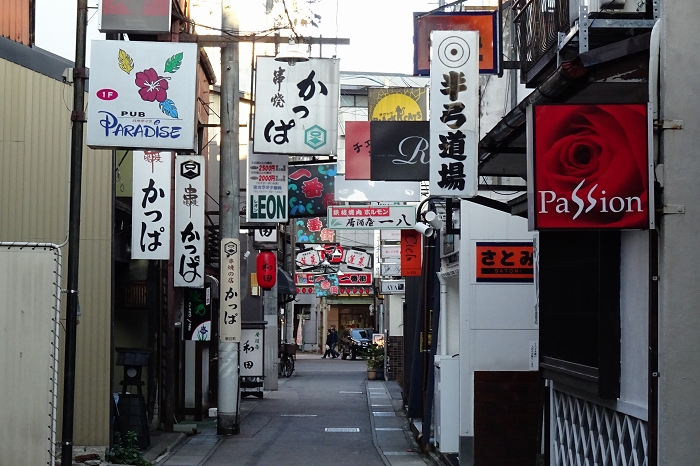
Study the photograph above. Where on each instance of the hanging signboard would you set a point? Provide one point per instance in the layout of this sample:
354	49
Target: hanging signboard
372	217
311	189
411	253
484	21
135	16
313	230
590	167
267	236
392	286
296	108
504	262
357	150
326	284
189	221
392	251
252	349
197	325
267	188
388	269
357	259
150	231
397	103
369	191
308	259
454	106
142	95
230	291
400	150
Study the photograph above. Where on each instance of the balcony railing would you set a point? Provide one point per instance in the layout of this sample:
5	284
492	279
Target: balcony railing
541	25
537	29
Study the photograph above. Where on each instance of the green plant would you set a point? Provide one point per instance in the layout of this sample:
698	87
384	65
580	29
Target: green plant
375	357
127	451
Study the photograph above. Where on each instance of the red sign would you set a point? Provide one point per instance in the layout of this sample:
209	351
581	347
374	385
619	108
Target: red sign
591	167
411	253
486	22
504	262
357	160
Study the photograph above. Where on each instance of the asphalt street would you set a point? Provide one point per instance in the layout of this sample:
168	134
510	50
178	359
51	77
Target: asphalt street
327	413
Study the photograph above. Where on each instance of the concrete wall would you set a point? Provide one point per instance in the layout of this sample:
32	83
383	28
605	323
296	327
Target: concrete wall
497	321
679	255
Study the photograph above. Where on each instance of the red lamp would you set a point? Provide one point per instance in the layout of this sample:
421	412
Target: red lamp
266	267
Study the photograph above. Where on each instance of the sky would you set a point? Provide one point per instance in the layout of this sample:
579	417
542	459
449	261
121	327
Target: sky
380	31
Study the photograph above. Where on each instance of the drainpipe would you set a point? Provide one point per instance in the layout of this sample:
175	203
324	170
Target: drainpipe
653	363
443	309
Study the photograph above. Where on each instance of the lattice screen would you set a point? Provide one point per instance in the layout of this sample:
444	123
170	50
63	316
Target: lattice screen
586	434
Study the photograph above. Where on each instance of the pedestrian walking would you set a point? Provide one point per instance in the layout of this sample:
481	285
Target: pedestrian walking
331	342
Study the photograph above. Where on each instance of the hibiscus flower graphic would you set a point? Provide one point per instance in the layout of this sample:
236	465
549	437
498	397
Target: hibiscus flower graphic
151	86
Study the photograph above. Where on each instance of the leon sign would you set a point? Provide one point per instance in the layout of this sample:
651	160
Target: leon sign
590	167
267	188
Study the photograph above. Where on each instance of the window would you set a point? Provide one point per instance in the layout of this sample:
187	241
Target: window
579	298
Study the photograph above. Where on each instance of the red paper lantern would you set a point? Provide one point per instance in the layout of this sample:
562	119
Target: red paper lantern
266	266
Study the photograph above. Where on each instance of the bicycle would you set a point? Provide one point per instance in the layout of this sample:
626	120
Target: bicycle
287	355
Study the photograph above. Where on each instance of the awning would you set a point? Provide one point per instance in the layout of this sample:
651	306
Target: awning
285	283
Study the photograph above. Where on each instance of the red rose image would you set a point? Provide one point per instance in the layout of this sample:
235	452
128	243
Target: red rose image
591	166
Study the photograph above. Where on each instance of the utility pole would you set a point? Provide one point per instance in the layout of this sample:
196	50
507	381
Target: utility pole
229	209
76	169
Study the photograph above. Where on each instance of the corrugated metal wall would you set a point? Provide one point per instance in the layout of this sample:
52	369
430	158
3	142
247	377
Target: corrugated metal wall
34	189
15	21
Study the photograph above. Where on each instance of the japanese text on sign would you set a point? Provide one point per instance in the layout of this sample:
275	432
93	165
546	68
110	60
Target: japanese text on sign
230	291
150	234
454	86
504	262
189	221
372	217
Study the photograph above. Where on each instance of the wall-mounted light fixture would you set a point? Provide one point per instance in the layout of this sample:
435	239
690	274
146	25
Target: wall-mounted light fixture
424	229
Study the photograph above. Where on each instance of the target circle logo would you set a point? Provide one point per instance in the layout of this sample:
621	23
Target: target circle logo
453	52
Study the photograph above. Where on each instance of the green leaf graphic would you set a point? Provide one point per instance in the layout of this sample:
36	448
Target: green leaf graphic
173	63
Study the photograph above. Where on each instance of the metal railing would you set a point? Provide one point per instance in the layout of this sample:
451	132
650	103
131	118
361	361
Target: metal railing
537	26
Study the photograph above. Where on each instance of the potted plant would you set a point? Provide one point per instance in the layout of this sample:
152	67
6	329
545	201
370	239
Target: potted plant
375	361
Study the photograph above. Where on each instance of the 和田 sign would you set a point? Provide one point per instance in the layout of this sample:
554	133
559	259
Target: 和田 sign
252	349
267	188
296	110
142	95
454	108
590	167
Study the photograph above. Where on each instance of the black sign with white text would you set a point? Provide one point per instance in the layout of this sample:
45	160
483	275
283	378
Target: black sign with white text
400	150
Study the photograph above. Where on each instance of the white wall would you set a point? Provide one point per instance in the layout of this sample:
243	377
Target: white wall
497	321
634	320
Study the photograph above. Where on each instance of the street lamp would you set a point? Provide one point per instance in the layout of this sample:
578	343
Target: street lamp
292	54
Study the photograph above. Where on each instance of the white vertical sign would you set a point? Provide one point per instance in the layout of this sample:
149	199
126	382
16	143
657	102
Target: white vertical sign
252	348
189	221
150	232
230	291
454	108
296	109
267	188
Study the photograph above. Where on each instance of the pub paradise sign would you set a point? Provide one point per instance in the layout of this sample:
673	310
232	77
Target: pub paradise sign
142	95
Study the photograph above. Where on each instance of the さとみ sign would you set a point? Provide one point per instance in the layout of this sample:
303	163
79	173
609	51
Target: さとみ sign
142	95
590	167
